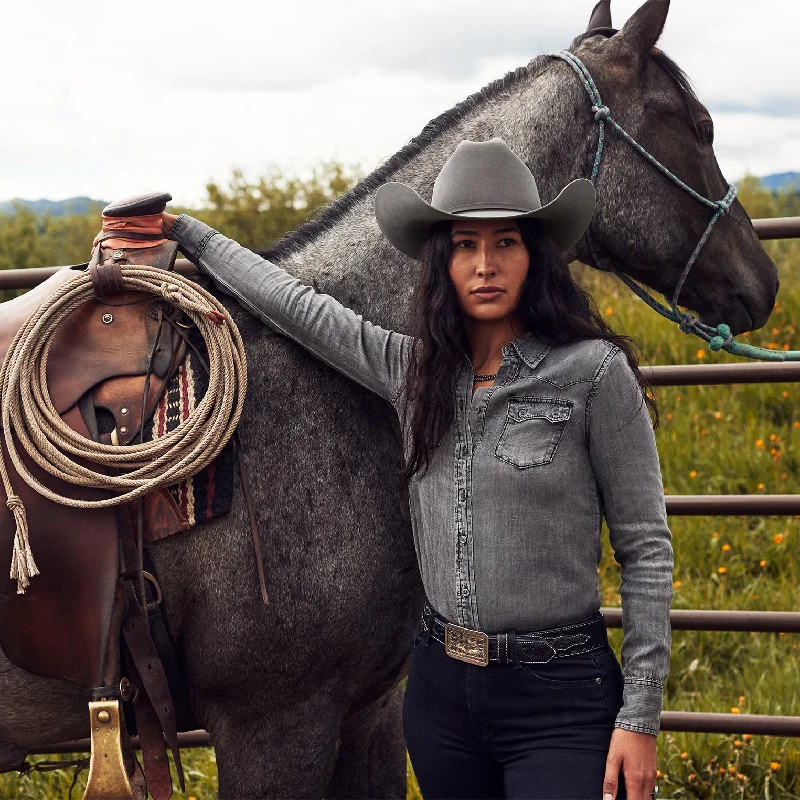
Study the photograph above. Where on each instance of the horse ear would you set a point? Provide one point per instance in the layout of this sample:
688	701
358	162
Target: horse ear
601	16
641	32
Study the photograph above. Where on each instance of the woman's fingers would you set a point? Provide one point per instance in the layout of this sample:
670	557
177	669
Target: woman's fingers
167	221
613	764
635	754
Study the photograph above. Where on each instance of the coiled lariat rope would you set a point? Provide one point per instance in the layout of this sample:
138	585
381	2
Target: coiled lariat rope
719	337
137	469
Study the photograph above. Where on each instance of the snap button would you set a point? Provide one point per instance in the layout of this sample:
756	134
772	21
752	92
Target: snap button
598	680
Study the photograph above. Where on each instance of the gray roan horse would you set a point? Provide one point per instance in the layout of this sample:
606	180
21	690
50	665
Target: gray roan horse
302	697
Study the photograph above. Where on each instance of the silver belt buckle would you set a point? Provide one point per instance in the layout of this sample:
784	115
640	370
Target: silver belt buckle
466	645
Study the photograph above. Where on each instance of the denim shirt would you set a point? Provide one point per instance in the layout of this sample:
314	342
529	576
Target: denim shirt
507	519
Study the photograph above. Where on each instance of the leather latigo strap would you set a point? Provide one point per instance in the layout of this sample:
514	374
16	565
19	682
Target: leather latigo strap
106	276
155	712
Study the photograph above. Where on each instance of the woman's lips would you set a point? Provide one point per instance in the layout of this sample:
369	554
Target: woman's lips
487	293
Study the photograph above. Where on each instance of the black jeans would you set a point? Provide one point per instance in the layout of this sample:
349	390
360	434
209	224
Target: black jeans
538	731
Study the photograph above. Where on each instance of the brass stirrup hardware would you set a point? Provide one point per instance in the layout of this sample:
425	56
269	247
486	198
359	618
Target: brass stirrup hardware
108	779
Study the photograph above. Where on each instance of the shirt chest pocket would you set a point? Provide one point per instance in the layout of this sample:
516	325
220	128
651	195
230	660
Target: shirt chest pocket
532	430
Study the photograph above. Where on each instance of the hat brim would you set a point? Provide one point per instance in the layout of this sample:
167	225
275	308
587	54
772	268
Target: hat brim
406	219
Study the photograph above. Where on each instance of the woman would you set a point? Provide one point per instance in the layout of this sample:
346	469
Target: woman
524	421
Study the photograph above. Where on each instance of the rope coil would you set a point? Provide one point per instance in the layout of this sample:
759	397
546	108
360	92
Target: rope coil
39	431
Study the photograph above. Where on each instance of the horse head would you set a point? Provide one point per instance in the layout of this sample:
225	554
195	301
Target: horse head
646	225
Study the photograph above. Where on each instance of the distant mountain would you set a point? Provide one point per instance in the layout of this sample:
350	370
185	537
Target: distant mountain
780	180
86	205
56	208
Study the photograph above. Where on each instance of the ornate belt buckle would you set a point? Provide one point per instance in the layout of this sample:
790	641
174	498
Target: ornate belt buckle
466	645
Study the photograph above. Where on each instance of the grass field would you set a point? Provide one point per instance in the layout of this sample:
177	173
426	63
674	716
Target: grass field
712	440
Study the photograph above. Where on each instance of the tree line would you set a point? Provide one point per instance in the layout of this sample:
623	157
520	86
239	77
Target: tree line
256	213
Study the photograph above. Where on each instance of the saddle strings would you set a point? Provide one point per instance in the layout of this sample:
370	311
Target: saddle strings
28	411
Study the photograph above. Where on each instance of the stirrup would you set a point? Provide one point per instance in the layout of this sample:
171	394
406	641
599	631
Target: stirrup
108	779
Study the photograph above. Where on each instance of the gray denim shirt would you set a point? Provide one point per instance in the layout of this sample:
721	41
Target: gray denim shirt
507	519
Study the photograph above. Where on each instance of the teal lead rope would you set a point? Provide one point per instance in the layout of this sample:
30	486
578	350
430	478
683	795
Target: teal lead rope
719	337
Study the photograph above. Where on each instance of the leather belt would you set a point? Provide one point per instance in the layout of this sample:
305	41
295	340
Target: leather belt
534	647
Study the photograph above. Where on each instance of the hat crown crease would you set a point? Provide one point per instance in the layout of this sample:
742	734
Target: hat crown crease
485	176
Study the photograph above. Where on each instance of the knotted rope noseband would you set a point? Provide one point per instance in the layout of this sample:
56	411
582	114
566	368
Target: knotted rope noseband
719	337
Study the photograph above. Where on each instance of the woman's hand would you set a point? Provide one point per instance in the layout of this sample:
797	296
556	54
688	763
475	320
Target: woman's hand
635	754
167	221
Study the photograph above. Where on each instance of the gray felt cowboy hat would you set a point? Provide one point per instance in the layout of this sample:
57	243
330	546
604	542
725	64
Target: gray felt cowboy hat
482	180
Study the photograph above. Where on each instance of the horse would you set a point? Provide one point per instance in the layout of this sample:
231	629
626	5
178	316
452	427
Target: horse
302	697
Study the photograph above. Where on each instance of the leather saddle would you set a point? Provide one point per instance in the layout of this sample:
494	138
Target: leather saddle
108	367
97	371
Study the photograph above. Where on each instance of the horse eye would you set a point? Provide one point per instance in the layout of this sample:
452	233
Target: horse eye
705	131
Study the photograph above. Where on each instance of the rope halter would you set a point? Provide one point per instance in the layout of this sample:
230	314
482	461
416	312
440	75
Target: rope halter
719	337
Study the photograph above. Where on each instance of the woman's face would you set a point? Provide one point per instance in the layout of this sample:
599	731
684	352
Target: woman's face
488	267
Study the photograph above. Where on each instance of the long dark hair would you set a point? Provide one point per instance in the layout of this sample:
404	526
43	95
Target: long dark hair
552	306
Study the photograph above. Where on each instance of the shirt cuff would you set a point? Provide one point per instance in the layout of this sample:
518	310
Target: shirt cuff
192	236
641	706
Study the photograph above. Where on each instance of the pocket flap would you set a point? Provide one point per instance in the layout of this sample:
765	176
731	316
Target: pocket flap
520	409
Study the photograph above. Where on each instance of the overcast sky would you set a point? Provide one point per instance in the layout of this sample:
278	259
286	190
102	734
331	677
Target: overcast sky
108	99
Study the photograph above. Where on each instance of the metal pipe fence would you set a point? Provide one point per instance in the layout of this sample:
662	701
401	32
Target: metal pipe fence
684	505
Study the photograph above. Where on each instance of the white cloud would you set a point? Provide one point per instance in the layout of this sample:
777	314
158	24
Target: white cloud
101	101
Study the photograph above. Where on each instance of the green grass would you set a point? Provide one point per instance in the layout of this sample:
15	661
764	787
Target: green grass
721	440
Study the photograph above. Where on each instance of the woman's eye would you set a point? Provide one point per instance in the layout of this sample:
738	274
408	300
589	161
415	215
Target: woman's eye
464	244
507	242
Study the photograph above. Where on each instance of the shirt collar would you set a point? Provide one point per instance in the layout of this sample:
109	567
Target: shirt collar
530	349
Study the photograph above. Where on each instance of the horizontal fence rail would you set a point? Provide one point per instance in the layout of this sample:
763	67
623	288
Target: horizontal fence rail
723	374
733	505
673	721
778	228
690	619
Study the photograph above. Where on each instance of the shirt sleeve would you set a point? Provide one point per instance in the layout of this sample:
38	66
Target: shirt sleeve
625	461
368	354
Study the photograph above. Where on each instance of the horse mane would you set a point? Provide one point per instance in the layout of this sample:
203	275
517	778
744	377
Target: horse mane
331	214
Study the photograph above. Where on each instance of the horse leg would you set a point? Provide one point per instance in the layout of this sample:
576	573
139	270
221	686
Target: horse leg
372	753
275	753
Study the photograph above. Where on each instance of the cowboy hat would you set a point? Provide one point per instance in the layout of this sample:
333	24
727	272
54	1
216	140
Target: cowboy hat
482	180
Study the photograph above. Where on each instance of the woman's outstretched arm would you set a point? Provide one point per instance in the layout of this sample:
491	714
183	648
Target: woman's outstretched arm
370	355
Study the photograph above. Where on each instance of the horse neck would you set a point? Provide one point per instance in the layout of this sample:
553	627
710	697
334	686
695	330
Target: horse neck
352	261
